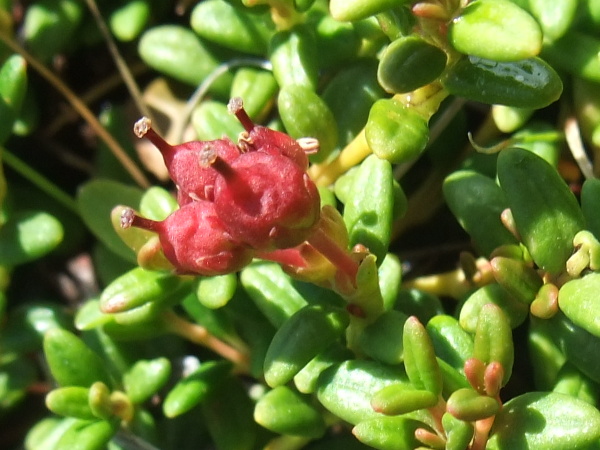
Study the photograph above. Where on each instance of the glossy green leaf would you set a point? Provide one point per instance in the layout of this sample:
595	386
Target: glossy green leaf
87	435
368	213
28	235
71	401
346	389
350	95
545	420
306	380
303	336
486	28
177	52
145	378
519	279
579	302
382	340
515	310
528	83
128	21
458	432
353	10
138	287
49	26
468	405
71	362
215	292
419	357
450	341
398	399
272	291
575	53
157	203
13	82
305	114
211	120
477	202
390	277
388	433
293	54
395	132
545	211
96	199
493	339
284	411
257	87
239	29
409	63
195	387
590	205
571	381
555	18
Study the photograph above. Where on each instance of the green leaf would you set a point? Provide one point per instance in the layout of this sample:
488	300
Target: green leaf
27	236
346	389
578	300
528	83
409	63
238	29
389	433
195	387
303	336
515	310
176	51
545	421
369	209
71	401
303	114
145	378
395	132
477	202
284	411
468	405
493	339
486	28
352	10
96	199
545	210
71	362
419	358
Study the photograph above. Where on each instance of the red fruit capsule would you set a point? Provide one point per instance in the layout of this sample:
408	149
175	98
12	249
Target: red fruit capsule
265	200
259	138
194	240
192	176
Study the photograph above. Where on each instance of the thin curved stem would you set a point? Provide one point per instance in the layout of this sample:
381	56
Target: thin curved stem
123	69
38	180
83	111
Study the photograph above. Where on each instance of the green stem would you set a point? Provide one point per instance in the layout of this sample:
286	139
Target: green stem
39	180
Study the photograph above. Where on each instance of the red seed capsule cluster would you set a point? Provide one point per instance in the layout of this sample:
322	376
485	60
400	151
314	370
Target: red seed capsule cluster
235	199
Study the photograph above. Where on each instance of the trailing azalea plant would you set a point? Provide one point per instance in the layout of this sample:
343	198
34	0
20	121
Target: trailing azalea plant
265	234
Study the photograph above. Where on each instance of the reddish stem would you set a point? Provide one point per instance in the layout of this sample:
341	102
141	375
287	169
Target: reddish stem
288	257
143	128
130	219
482	431
236	107
338	256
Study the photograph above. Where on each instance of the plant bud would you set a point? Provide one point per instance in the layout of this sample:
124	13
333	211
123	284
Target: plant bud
192	176
194	240
265	200
259	138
